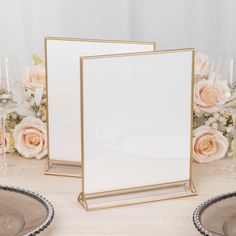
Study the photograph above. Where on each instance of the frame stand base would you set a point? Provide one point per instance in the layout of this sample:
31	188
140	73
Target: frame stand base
139	195
63	168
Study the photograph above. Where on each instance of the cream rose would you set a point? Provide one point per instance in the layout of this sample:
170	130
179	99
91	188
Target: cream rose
35	82
35	77
7	142
210	94
30	137
203	66
208	144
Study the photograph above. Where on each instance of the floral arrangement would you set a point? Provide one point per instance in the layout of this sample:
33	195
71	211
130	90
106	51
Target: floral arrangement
26	128
213	129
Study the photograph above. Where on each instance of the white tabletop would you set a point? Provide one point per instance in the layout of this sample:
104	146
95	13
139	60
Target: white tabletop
170	217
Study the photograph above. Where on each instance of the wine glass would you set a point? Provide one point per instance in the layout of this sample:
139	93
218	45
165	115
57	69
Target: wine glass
11	97
226	69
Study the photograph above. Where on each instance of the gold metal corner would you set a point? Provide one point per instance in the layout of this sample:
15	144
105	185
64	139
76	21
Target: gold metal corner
82	201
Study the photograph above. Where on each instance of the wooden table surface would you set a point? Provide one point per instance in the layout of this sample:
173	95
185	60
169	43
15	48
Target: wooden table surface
170	217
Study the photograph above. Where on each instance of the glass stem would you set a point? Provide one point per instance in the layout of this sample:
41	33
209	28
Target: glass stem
234	138
4	161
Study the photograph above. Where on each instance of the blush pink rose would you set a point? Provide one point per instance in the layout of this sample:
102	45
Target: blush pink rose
203	66
208	144
30	137
35	77
210	94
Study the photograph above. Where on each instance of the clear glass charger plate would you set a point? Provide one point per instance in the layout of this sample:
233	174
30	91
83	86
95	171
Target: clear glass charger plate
23	212
217	216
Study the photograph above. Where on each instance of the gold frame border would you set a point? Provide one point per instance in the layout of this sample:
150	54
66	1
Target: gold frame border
49	161
82	198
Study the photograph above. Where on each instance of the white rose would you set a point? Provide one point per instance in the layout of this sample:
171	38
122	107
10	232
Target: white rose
203	66
210	94
30	137
209	144
35	77
35	81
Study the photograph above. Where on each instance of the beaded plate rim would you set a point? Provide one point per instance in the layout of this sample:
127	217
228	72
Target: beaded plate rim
48	205
203	206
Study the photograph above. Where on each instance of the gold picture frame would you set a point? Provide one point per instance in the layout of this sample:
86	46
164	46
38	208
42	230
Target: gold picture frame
185	187
70	168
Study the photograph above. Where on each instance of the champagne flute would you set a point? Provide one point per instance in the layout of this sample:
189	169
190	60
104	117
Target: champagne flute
11	97
226	68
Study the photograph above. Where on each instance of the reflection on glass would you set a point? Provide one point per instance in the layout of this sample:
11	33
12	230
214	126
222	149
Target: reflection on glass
139	135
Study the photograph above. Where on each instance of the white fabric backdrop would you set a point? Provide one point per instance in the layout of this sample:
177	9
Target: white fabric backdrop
207	25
